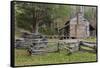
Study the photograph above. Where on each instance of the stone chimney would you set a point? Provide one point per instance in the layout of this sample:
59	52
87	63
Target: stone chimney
81	10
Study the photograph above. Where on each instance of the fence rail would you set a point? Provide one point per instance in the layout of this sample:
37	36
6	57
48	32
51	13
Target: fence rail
72	45
92	46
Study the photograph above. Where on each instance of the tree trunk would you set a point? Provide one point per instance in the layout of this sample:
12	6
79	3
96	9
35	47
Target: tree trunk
34	28
35	23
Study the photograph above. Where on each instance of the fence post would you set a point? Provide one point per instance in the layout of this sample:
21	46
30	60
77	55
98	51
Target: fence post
58	50
80	43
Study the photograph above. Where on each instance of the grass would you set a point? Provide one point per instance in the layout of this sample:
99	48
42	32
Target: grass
87	48
22	58
91	39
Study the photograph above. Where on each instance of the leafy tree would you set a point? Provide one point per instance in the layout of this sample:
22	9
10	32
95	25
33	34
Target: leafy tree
33	16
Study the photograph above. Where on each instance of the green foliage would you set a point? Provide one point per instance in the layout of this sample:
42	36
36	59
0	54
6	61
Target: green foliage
90	13
48	31
23	16
33	16
91	39
30	14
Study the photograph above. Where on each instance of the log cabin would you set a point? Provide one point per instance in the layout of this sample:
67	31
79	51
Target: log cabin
77	27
